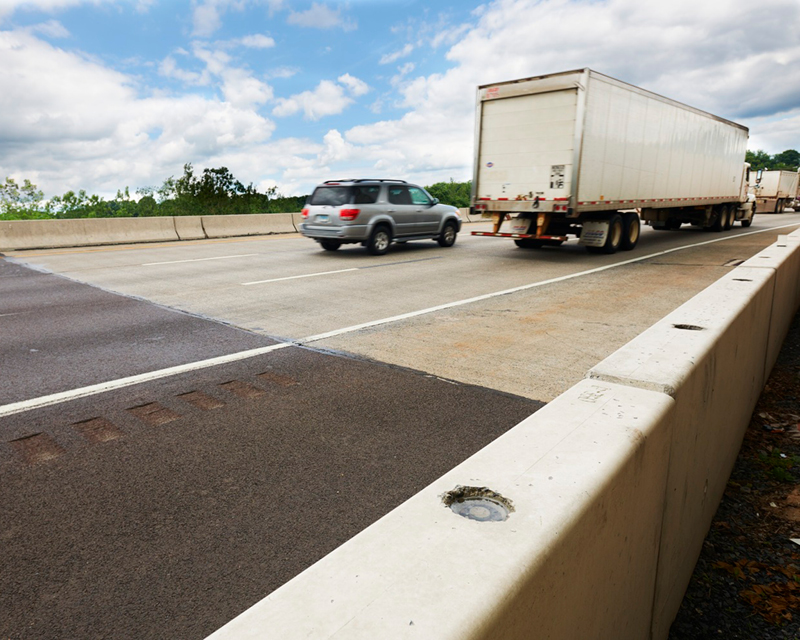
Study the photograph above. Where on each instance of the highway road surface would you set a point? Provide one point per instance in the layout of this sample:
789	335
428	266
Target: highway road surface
185	426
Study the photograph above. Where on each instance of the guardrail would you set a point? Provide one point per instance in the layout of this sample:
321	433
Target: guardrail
609	491
17	235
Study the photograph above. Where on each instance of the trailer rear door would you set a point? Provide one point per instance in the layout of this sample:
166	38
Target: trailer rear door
527	146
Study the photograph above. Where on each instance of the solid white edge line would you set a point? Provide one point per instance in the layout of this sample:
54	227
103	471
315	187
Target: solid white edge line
244	255
74	394
306	275
44	401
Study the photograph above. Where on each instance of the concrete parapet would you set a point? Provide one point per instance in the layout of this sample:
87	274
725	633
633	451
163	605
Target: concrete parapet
585	476
297	218
254	224
709	356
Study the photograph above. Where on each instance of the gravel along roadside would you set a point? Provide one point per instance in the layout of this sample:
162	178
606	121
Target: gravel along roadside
746	583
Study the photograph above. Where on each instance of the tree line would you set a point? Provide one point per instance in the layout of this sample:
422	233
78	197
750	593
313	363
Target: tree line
788	160
212	192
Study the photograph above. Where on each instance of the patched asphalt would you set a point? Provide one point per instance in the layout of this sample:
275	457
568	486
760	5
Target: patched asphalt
165	509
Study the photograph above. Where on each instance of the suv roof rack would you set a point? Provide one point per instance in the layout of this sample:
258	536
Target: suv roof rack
364	180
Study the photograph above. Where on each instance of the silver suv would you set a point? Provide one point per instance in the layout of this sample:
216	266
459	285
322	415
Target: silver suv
376	213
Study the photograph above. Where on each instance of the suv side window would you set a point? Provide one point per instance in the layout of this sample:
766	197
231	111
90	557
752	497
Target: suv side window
399	195
418	196
366	194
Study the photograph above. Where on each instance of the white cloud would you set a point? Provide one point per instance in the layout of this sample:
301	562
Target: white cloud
206	18
393	57
67	120
319	16
238	86
356	87
256	41
327	99
51	29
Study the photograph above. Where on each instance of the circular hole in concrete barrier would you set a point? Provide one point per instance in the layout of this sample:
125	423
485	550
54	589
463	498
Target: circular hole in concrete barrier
478	503
689	327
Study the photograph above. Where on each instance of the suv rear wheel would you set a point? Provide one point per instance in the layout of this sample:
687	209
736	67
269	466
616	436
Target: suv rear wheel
379	241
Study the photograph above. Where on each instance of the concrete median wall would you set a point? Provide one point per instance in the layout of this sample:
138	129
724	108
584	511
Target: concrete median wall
80	232
43	234
19	235
254	224
613	486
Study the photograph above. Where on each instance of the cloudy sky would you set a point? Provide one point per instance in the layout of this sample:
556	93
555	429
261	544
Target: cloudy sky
104	94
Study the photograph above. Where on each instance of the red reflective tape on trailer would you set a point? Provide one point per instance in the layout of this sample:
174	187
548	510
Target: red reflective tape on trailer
502	198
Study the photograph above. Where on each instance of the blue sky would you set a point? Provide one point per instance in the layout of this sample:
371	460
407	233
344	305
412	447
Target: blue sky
104	94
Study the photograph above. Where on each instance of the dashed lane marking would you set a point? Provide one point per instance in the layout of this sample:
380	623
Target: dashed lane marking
306	275
328	273
244	255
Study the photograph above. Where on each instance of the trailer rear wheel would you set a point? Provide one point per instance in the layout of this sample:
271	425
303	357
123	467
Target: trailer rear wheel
730	214
631	228
614	238
721	215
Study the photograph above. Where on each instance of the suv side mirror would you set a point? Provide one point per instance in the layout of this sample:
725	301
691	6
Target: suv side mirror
434	201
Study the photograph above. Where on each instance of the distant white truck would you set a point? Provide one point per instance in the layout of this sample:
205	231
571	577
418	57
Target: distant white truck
775	190
580	153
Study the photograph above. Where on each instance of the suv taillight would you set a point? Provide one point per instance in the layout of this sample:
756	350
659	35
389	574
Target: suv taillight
348	214
304	212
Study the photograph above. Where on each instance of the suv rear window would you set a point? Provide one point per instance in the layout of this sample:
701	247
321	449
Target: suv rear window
336	195
333	196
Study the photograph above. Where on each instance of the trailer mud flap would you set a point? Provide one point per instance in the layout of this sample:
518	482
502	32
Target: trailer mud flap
594	233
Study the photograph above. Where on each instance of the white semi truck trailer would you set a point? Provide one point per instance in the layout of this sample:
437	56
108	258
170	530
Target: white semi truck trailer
579	153
775	190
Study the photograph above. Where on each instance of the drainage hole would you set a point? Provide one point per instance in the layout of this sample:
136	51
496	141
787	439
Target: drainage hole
689	327
742	280
478	503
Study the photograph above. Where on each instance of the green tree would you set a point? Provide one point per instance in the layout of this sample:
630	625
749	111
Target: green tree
456	194
788	160
758	159
20	201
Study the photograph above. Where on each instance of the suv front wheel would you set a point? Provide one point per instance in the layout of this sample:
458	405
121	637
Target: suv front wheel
448	236
379	241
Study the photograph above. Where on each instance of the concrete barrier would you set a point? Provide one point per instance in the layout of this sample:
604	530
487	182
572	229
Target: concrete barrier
254	224
784	260
44	234
578	473
613	486
189	227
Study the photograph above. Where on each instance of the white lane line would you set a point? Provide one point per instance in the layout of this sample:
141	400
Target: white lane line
74	394
524	287
244	255
36	403
306	275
